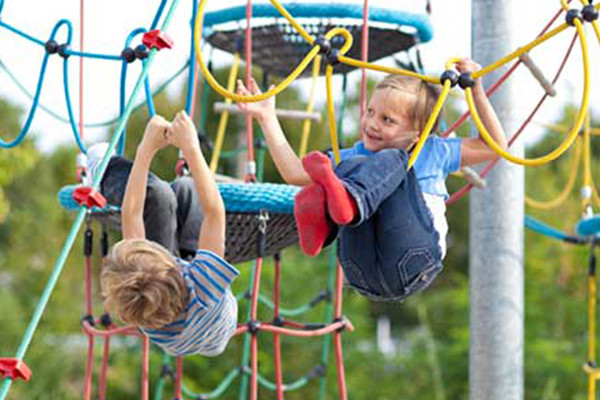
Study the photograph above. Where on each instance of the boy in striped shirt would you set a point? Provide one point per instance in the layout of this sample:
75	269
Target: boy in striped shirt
186	308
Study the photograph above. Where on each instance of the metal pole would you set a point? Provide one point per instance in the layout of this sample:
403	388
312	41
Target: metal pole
496	230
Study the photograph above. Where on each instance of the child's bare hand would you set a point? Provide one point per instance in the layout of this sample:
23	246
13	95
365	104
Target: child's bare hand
182	133
155	136
260	109
466	65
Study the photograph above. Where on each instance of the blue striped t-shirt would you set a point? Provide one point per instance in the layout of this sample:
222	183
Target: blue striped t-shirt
210	319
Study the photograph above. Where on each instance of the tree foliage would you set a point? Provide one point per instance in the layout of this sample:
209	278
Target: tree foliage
431	329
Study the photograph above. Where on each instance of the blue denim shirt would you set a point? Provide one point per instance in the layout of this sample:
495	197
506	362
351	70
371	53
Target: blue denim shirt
437	159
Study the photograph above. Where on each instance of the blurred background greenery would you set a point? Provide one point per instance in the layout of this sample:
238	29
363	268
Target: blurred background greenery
426	359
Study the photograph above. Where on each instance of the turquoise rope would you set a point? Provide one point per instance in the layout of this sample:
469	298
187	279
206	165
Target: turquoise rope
149	99
21	33
159	12
21	136
6	384
192	66
218	391
125	65
74	128
94	55
62	119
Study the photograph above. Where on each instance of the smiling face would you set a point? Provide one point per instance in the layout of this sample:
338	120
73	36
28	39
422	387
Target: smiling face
388	122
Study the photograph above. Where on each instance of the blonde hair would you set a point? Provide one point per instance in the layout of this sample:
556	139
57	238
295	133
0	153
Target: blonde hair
142	282
425	95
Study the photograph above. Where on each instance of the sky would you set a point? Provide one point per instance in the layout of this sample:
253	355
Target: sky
108	22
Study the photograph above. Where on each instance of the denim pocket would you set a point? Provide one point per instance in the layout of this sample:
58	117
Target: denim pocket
355	278
417	268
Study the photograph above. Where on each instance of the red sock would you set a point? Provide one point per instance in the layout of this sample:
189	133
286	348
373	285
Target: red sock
311	216
340	204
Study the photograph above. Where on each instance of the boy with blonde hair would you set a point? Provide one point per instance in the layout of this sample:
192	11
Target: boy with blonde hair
186	308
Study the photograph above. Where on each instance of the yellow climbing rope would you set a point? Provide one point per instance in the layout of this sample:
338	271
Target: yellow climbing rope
564	195
306	125
341	57
214	161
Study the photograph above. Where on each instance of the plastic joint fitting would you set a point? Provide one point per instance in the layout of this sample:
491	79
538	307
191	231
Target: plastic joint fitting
106	320
89	197
343	321
465	80
89	319
141	52
128	54
589	13
88	242
323	43
14	368
64	50
333	57
51	46
572	15
450	75
157	39
253	327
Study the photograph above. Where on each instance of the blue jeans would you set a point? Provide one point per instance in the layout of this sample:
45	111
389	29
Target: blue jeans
172	212
393	250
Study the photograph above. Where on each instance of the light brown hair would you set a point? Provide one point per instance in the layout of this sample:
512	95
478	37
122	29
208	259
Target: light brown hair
425	97
142	282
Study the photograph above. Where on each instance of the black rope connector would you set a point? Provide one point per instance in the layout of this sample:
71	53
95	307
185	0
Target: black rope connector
104	244
253	327
589	13
465	80
238	44
248	295
106	320
260	143
278	321
333	57
572	15
64	50
324	295
89	319
277	256
592	261
128	54
51	46
167	371
591	364
314	326
316	372
141	52
343	321
450	75
88	242
323	43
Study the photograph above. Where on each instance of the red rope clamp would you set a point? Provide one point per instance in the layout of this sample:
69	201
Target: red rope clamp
87	196
14	368
157	39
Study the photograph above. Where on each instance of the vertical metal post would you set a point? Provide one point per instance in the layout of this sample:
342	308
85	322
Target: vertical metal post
496	230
